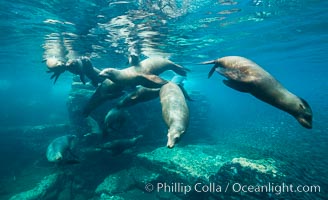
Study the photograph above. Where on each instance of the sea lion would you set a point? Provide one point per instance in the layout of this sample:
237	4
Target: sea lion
107	90
83	67
158	65
175	112
246	76
55	66
119	146
129	77
60	150
115	119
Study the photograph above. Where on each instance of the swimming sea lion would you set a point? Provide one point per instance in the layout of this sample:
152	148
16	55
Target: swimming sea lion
129	77
246	76
175	112
55	66
60	150
84	68
158	65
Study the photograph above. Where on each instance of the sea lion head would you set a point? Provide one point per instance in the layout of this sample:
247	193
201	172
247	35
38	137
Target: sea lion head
54	63
173	137
56	67
108	73
58	157
304	114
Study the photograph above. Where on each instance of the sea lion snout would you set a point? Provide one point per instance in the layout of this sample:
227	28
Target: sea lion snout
173	138
105	73
304	114
305	122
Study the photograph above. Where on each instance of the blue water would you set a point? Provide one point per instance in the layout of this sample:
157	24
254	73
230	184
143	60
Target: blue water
287	38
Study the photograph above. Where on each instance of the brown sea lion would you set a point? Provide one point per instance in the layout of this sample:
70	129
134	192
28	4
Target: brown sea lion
128	77
246	76
60	150
175	112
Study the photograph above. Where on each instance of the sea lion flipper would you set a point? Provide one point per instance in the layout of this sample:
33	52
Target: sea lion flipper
152	81
82	78
239	86
72	154
211	71
185	93
56	77
182	71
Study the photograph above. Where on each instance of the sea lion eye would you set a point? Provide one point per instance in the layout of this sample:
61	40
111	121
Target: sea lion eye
302	106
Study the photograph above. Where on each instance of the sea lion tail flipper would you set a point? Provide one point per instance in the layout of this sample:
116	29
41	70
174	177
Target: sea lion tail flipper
182	71
73	159
133	60
56	78
239	86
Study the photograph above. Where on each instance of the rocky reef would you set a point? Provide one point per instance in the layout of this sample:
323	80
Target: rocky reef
191	172
46	189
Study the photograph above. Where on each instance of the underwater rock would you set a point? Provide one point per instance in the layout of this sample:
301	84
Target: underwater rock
46	189
246	172
126	180
261	166
199	164
189	163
